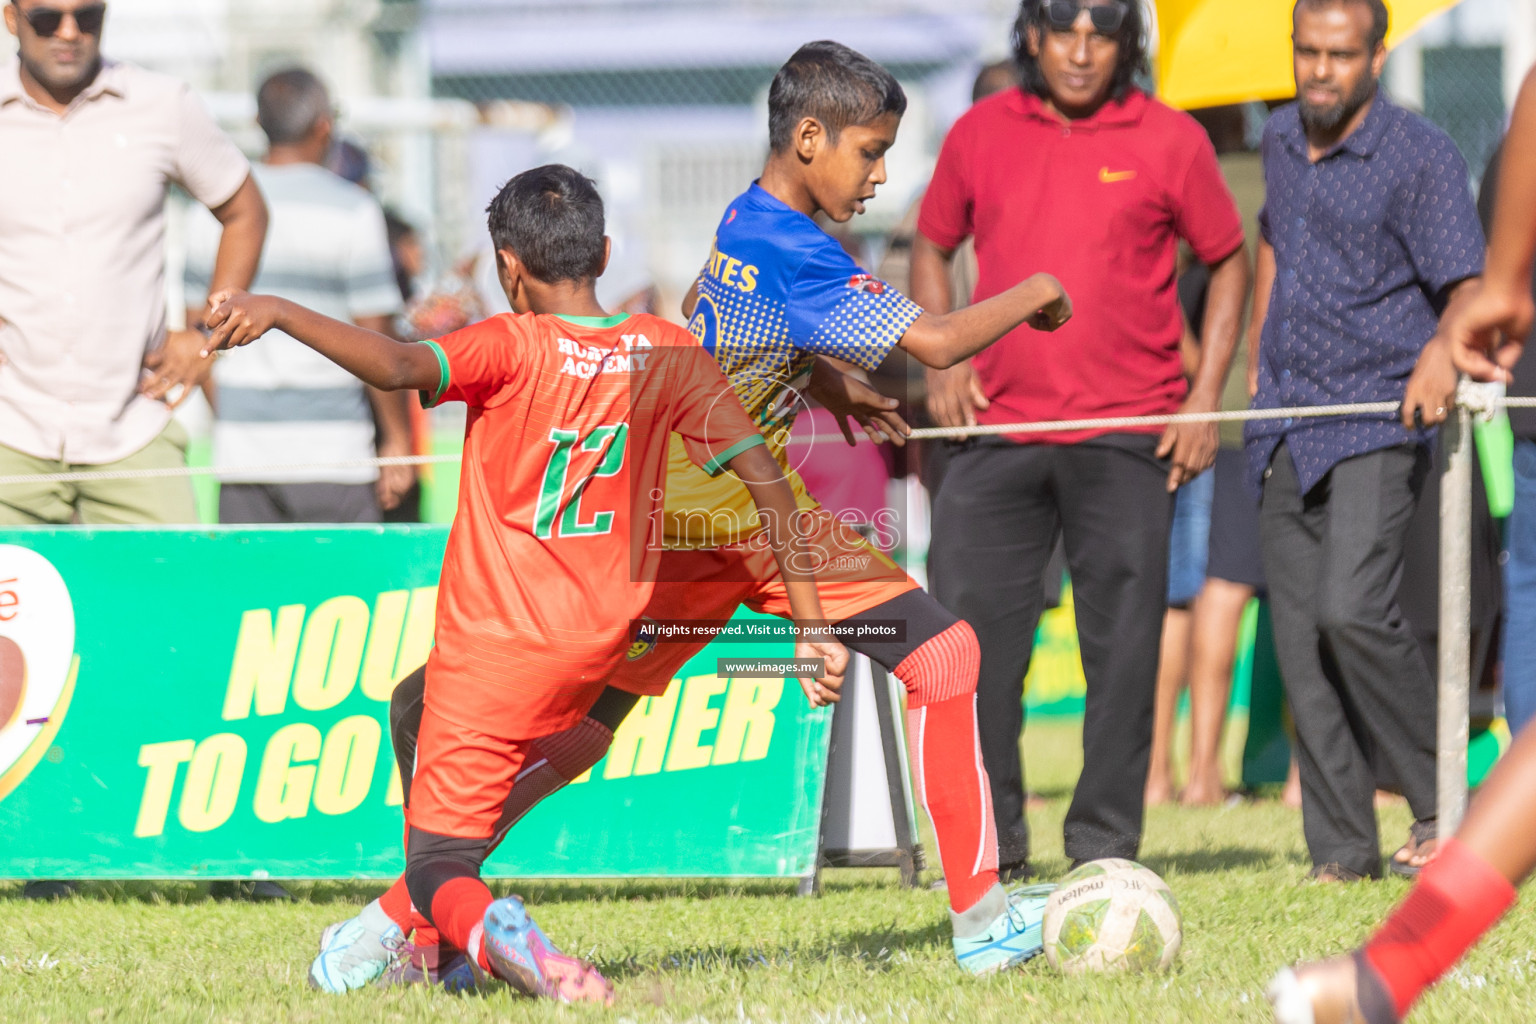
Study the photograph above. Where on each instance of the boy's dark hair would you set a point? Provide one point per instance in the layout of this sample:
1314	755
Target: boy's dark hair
552	218
289	104
837	86
1132	38
1381	18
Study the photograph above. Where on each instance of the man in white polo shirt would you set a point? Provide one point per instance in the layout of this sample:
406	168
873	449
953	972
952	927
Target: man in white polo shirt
88	371
280	404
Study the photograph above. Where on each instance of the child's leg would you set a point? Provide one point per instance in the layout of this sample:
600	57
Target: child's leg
461	785
1467	887
552	763
1457	897
938	662
463	781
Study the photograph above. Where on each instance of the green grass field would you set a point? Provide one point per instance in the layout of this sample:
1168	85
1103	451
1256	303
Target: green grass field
866	951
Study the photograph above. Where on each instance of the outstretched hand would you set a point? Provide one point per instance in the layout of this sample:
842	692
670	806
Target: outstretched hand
1486	335
239	318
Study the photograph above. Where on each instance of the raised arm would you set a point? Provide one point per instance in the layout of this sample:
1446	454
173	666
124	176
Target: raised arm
944	339
239	318
778	512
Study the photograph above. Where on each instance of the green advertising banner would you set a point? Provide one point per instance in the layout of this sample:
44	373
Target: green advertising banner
214	703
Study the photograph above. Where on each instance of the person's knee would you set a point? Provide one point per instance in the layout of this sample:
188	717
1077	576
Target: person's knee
943	668
1342	618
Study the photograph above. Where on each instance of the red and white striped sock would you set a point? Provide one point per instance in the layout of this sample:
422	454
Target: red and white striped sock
945	748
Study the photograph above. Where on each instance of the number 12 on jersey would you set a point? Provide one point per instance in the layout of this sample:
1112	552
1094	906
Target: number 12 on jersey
609	440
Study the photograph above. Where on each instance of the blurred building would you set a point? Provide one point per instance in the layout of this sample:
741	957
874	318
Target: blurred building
662	101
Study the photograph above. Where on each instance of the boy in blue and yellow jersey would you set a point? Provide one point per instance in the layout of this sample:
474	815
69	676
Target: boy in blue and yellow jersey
777	297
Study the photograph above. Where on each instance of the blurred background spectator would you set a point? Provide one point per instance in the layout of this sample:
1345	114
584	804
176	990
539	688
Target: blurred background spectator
280	403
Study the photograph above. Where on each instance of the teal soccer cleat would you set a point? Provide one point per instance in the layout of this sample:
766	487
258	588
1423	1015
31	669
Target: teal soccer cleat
1012	939
522	955
356	951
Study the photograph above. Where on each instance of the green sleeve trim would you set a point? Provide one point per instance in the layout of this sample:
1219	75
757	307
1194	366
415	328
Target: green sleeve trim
716	465
443	378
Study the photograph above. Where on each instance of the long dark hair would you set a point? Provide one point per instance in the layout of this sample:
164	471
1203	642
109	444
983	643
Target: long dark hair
1132	39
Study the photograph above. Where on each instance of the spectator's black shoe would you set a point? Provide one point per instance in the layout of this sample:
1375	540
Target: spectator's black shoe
1018	871
49	889
261	891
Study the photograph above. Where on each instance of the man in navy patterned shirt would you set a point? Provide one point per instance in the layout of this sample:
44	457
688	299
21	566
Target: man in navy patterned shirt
1369	231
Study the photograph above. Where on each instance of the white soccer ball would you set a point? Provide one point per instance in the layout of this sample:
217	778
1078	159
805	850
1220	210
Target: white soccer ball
1112	915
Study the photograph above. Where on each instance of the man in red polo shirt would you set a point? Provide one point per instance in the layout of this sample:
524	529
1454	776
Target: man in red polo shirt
1080	172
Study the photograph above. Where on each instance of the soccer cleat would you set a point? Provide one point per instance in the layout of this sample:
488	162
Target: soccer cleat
1013	938
356	951
522	955
1343	990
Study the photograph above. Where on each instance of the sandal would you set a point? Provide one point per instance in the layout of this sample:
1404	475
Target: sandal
1334	873
1419	833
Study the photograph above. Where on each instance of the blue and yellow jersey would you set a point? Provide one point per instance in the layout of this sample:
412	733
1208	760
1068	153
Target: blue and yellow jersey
776	292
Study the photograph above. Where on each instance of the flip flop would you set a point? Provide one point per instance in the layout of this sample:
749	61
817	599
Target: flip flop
1419	833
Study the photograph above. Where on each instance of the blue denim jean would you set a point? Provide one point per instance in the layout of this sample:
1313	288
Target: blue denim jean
1189	542
1520	593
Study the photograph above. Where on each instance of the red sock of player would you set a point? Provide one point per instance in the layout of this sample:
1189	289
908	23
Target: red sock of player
396	903
940	677
458	908
1457	898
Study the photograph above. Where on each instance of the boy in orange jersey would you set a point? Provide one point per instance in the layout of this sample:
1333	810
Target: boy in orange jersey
565	449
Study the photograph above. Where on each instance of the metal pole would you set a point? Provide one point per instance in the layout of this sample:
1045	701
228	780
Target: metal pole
1455	617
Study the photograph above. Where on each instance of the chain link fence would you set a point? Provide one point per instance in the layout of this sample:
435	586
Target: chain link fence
1463	94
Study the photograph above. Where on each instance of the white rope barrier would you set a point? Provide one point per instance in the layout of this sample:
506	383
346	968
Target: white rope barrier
1484	400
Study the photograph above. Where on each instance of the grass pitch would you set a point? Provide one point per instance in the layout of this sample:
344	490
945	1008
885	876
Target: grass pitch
866	951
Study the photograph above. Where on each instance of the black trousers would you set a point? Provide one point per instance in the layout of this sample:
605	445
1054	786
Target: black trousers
995	523
1355	676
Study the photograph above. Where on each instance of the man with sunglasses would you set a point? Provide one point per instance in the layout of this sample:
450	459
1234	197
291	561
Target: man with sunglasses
1082	172
89	374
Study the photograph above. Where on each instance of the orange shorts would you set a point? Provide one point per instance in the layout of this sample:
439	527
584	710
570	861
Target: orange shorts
463	778
852	576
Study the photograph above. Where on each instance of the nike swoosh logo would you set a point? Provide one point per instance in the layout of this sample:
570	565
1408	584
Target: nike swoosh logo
1109	177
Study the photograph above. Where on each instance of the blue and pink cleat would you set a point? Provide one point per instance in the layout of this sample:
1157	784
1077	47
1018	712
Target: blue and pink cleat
522	955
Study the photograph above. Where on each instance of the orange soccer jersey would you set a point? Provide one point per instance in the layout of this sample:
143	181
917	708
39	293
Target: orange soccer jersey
565	453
